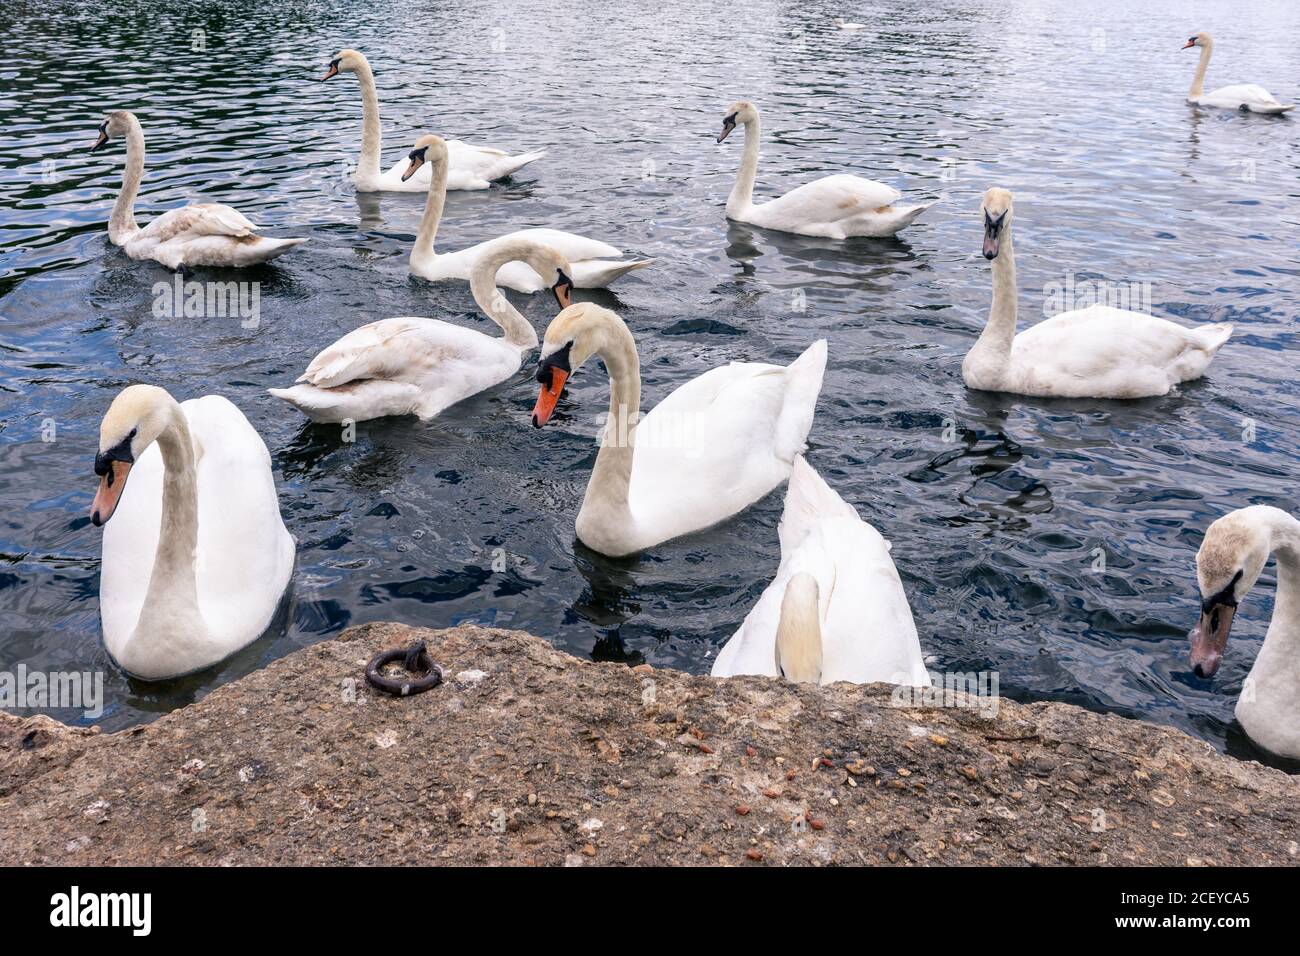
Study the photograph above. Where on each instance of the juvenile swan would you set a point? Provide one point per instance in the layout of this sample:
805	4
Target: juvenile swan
204	234
835	207
1245	96
472	167
1097	352
1229	562
196	556
414	366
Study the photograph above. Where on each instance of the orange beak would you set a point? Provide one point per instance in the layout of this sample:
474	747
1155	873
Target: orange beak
332	71
1186	45
109	493
562	294
548	396
103	138
415	164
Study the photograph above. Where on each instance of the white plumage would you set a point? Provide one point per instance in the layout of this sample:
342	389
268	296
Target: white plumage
862	617
1247	97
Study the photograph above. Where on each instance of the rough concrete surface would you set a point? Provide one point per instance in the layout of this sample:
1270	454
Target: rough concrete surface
529	756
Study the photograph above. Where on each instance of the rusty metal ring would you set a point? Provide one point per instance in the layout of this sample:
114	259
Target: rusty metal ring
416	660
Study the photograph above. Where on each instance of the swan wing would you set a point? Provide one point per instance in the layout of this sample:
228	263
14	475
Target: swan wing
245	553
721	441
399	349
1248	94
826	200
200	219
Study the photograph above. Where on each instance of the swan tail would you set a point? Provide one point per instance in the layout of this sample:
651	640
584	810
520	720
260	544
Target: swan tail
1210	338
274	248
355	402
598	273
808	500
1277	110
510	164
803	385
906	215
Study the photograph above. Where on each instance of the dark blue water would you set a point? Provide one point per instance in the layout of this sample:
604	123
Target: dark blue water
996	505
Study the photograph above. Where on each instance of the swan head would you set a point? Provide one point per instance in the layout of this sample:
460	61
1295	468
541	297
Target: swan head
996	212
740	113
547	261
427	149
1198	39
798	631
1231	558
346	61
116	125
575	335
138	415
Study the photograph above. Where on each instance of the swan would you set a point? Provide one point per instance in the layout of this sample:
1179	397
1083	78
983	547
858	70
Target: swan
1245	96
836	609
412	366
1097	352
1232	555
841	24
834	207
588	257
709	450
203	234
472	167
196	557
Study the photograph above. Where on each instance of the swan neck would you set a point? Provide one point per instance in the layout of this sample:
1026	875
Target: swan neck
742	193
518	330
1000	331
172	597
432	211
121	224
611	478
1284	542
1198	81
371	132
798	631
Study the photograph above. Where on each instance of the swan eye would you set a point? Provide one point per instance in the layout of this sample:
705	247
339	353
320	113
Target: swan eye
119	452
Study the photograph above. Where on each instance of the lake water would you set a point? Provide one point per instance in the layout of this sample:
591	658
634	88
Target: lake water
1050	541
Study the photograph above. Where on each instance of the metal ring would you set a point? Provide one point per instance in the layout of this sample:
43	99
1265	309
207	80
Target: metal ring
416	660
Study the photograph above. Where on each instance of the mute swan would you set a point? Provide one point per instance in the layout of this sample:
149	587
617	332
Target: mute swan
204	234
472	167
197	557
836	609
835	207
589	257
1245	96
1234	552
1097	352
412	366
841	24
710	449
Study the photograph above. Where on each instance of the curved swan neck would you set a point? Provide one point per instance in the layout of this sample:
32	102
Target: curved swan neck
742	194
371	132
799	632
1198	81
483	286
432	211
121	224
172	599
1000	330
1284	543
611	477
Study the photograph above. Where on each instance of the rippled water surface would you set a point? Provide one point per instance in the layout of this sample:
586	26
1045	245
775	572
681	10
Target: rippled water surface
1051	541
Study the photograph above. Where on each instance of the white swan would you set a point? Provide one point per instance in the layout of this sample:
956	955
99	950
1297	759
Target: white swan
835	207
1244	96
196	558
472	167
710	449
413	366
588	257
842	24
204	234
1097	352
1229	562
836	609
